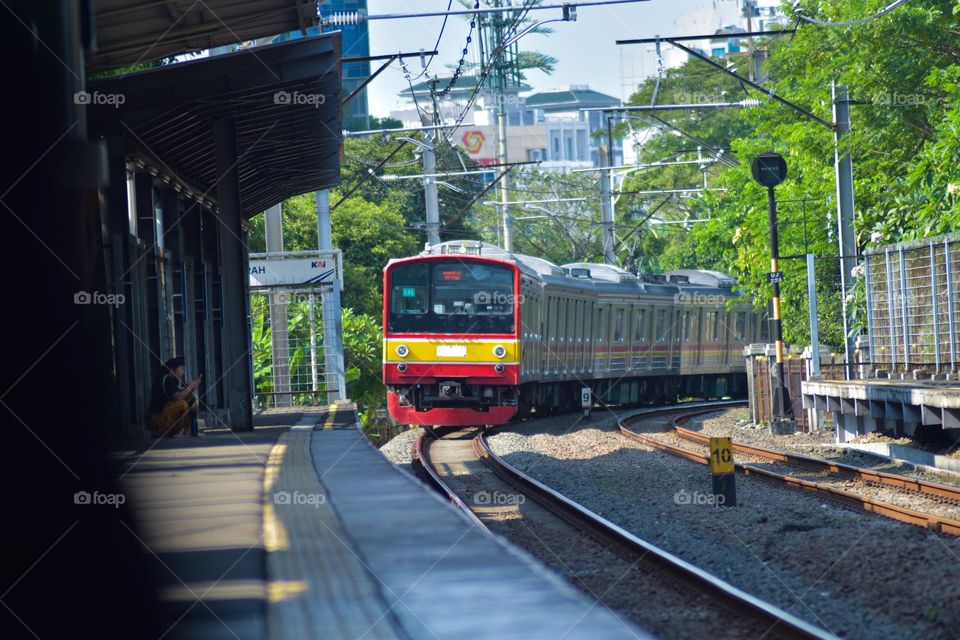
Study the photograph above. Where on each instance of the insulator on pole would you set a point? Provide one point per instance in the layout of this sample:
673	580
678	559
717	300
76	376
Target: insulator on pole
345	18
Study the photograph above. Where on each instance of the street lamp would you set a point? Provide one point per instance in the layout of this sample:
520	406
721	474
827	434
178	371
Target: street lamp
769	170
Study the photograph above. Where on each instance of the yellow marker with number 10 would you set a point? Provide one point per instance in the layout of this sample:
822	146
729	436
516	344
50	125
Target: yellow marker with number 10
721	456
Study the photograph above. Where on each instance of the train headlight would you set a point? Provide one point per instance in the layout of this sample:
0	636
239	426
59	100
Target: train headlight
402	367
402	350
499	351
499	368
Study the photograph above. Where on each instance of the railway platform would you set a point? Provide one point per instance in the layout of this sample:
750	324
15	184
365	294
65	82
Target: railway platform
864	406
301	529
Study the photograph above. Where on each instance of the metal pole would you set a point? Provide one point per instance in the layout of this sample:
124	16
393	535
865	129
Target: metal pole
606	209
430	195
430	181
280	348
781	398
314	387
934	291
332	321
499	66
814	324
903	311
890	316
843	167
948	265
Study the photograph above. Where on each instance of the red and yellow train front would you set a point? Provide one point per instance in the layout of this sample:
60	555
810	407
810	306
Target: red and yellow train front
450	340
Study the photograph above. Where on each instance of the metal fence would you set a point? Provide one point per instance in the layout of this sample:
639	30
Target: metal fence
911	304
288	356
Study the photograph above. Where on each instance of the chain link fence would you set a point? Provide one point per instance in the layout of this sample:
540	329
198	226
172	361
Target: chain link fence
911	305
288	353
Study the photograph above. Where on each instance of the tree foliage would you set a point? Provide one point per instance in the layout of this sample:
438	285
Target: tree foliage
902	73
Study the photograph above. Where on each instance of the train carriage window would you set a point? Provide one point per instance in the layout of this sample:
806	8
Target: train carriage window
661	332
599	324
740	326
710	327
687	325
640	325
716	326
618	326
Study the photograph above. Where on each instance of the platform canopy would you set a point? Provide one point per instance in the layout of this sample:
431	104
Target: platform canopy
130	32
283	99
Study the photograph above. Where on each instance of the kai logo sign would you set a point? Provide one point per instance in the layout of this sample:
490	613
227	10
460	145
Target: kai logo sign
473	141
277	270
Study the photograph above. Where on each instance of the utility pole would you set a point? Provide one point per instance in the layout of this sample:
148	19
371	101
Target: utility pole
332	322
770	169
430	195
843	166
500	70
606	197
280	348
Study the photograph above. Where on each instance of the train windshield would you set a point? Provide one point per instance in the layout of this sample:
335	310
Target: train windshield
451	297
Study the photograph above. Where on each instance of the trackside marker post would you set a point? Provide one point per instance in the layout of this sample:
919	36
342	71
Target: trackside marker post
722	471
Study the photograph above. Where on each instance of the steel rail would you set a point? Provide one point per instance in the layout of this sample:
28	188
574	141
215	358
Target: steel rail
923	487
901	514
787	625
421	461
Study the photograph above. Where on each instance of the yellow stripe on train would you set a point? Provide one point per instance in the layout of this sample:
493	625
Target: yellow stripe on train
440	350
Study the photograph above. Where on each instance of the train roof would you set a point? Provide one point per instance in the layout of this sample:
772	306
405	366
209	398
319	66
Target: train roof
590	275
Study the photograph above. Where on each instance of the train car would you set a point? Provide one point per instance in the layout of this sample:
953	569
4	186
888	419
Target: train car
475	335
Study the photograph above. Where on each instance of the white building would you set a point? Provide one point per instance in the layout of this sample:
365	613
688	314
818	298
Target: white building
545	126
722	17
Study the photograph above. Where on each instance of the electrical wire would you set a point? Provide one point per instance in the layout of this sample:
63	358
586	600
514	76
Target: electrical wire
436	47
852	23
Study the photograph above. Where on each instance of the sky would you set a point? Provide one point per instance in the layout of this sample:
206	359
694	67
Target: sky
585	49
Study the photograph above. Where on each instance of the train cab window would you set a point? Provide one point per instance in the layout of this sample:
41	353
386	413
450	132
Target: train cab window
451	297
618	326
661	332
640	325
409	289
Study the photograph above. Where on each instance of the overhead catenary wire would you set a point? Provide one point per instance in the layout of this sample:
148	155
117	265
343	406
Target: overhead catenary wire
852	23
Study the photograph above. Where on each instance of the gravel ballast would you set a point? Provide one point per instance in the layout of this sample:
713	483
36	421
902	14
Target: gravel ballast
399	449
734	423
855	574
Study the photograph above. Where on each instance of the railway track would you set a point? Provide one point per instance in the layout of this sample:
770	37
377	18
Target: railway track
886	494
662	593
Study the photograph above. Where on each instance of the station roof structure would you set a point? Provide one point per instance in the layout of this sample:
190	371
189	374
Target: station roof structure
130	32
570	99
284	100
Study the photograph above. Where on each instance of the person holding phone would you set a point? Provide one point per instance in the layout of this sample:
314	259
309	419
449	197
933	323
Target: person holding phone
173	403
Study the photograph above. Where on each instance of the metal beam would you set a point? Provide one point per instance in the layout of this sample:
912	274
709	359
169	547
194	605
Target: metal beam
752	102
711	36
754	85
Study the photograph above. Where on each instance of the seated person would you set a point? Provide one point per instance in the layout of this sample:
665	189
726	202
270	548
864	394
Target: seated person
173	404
